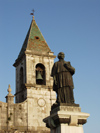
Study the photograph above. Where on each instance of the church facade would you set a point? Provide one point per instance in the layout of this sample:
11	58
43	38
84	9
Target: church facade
34	95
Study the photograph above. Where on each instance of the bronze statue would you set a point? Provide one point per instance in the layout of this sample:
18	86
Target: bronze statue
62	72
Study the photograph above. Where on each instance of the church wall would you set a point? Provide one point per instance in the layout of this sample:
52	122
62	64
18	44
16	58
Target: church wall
3	115
18	88
39	100
13	116
28	115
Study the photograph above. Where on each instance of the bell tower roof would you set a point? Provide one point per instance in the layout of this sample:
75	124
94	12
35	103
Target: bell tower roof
34	41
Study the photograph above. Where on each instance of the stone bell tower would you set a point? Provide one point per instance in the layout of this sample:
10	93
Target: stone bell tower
33	80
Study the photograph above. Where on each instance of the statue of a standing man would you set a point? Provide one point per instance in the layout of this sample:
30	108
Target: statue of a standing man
62	72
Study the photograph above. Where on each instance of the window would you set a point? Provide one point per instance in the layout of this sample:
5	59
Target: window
40	74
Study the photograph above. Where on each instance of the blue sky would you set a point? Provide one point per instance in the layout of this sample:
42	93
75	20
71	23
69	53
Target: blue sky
70	26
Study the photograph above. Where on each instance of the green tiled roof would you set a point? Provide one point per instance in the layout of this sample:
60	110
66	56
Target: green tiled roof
34	40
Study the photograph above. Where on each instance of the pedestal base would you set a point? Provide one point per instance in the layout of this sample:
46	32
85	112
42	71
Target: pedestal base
66	119
63	128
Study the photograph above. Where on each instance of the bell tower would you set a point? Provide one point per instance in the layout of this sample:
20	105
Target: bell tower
33	65
33	80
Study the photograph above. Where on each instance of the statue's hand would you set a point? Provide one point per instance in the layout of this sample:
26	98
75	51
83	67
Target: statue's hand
67	65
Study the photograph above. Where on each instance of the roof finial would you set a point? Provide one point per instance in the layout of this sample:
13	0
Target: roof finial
9	90
32	13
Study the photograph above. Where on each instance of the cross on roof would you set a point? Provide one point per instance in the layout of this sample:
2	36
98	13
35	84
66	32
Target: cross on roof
32	12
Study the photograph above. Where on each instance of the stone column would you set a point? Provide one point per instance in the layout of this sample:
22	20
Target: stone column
10	103
66	119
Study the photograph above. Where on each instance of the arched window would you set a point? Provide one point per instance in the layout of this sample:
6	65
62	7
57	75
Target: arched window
21	78
40	74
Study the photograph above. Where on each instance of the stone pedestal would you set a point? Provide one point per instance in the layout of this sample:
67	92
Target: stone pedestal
66	119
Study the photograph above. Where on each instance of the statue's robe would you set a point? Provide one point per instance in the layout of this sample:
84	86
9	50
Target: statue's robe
62	72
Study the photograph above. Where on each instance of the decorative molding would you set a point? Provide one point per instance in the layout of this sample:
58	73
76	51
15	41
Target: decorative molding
40	54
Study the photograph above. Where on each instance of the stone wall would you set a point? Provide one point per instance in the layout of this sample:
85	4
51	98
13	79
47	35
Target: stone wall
27	115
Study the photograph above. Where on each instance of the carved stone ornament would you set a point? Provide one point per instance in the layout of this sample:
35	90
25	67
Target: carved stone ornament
41	102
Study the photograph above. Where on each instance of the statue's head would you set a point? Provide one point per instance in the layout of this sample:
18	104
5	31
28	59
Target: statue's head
61	55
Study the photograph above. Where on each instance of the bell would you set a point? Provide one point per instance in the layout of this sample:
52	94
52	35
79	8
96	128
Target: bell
39	76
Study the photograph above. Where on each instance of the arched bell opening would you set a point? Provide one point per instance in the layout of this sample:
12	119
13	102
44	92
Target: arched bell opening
40	74
21	78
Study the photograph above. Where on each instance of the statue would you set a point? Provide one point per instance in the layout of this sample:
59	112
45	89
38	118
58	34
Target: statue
62	72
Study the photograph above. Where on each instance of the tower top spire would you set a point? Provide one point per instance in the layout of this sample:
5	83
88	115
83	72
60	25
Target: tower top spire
34	41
